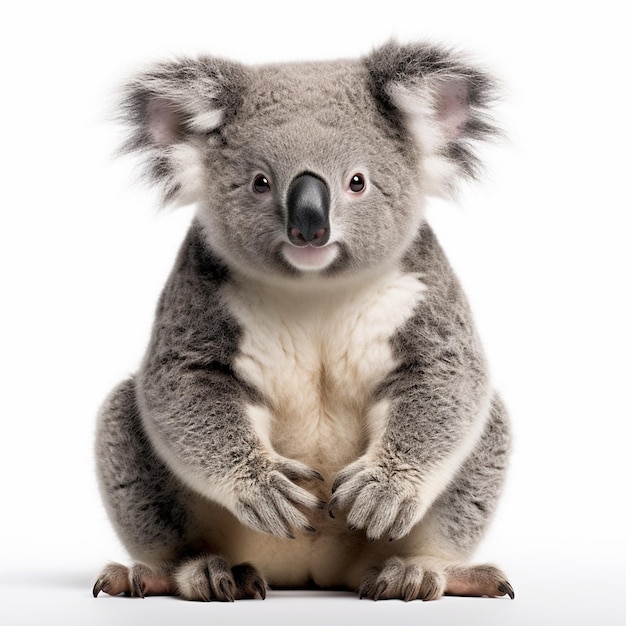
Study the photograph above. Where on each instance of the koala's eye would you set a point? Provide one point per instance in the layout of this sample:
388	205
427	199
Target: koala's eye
357	183
261	184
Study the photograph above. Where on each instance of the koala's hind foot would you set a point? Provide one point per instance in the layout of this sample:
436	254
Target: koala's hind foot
210	578
205	578
427	579
137	581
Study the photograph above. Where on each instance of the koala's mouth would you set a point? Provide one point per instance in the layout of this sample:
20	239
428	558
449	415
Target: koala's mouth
309	257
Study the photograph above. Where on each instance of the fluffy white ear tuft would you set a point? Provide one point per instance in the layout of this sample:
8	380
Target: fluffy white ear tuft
442	101
436	113
170	111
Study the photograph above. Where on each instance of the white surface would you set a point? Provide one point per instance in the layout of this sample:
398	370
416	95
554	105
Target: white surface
538	246
570	593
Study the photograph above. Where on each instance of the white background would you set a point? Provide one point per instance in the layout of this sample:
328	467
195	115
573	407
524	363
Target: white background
538	246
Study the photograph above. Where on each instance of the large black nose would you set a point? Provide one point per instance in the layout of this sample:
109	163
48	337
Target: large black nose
308	205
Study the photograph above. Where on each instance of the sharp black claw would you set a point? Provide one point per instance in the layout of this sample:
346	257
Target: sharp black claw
260	588
97	588
408	594
506	588
137	589
382	587
227	591
330	512
317	475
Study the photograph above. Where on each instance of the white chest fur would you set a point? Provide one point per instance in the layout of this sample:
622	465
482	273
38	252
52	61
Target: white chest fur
317	355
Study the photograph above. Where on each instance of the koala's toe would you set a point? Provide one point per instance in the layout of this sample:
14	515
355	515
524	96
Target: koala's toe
248	582
205	579
113	580
478	580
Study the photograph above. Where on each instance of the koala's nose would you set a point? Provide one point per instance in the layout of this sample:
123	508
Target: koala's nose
308	205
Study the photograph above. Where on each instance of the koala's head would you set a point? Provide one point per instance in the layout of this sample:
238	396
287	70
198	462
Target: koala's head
317	168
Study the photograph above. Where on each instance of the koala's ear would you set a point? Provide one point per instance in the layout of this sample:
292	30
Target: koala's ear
442	101
171	110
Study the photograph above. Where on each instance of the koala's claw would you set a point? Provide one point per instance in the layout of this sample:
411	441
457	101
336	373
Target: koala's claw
227	591
478	580
373	592
137	587
505	589
98	587
249	583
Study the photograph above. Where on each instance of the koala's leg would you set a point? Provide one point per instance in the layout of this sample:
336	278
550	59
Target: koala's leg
432	559
144	500
146	504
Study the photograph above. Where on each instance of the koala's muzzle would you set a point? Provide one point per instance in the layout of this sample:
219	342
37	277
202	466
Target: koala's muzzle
308	206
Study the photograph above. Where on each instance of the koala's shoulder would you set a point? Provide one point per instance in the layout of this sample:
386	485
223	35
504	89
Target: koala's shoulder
193	289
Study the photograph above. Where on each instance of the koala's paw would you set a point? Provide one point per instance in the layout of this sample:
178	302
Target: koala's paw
204	578
403	579
209	578
417	579
266	499
382	500
137	581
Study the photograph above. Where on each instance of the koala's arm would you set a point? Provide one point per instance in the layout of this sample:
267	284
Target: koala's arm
200	416
430	410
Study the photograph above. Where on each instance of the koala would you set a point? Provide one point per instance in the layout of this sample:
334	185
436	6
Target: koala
314	409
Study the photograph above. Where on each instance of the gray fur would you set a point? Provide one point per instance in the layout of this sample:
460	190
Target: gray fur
178	438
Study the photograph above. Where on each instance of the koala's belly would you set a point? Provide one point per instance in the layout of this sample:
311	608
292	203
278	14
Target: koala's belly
317	356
